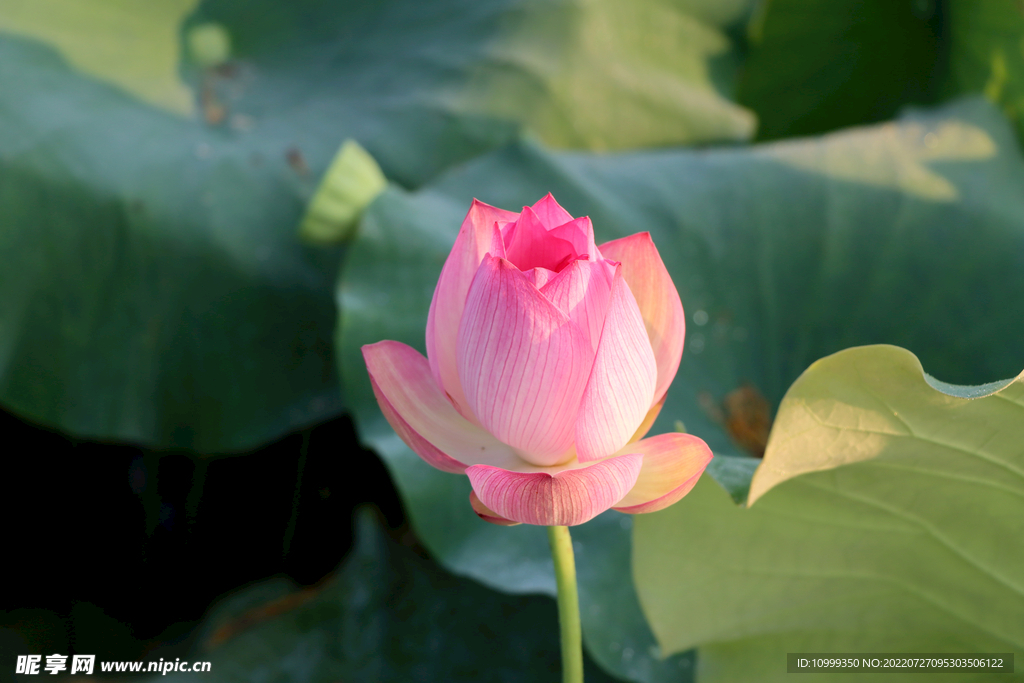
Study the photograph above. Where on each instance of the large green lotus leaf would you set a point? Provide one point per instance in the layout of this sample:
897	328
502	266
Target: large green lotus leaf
881	402
888	515
818	65
385	616
596	74
128	43
986	53
154	290
909	232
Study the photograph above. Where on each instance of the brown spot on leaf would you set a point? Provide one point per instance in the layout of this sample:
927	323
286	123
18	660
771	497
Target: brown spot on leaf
213	111
259	615
744	414
297	161
748	418
227	70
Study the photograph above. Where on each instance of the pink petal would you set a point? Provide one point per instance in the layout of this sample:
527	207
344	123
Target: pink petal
620	390
522	362
486	514
566	498
579	233
672	465
479	235
657	298
539	277
508	231
549	211
582	291
417	443
422	416
531	245
648	422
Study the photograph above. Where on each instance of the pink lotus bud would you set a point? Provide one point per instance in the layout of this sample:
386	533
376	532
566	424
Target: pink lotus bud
548	359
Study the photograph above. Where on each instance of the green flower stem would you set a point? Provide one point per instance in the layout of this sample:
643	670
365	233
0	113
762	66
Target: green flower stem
568	604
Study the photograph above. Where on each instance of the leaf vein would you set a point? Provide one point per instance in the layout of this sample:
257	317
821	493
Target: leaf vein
983	456
933	532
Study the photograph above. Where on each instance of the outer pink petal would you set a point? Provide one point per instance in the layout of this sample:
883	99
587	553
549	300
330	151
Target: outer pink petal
672	465
582	290
658	300
550	212
478	236
522	362
620	390
532	246
417	443
486	514
421	415
567	498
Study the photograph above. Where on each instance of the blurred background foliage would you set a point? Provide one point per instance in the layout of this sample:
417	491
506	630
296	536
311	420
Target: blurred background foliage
160	307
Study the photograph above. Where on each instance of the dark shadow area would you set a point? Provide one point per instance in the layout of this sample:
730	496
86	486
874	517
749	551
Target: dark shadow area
120	550
816	69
